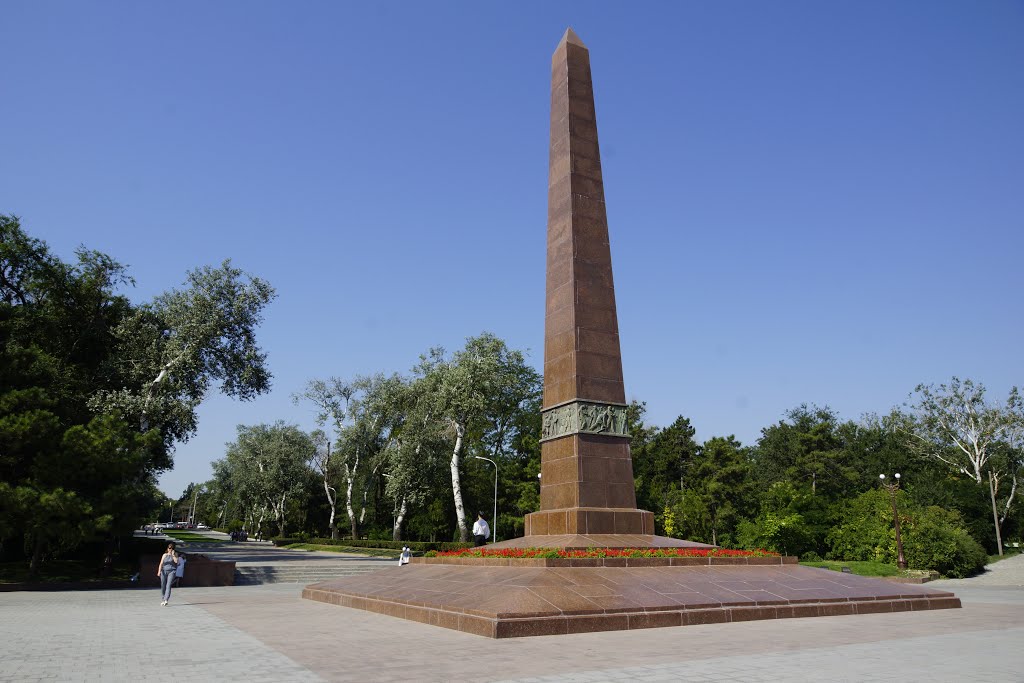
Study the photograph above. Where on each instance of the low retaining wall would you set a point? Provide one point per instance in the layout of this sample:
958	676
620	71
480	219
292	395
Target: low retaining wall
199	571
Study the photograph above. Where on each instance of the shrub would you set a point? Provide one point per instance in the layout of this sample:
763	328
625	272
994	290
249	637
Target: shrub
810	556
864	529
783	533
936	539
933	538
285	540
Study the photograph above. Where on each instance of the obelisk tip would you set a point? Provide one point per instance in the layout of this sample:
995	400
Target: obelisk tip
571	38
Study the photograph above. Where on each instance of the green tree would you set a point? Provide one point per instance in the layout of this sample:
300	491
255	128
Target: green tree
933	538
661	461
170	351
267	464
366	413
957	426
791	520
720	491
415	456
475	393
95	390
808	450
68	473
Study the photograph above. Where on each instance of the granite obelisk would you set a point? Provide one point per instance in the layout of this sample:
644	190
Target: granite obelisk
586	471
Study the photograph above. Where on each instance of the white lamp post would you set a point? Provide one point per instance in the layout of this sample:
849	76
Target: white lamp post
901	561
494	519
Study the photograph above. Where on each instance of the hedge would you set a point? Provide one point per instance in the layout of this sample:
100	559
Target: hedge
418	546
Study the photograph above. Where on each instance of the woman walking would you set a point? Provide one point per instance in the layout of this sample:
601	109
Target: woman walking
165	569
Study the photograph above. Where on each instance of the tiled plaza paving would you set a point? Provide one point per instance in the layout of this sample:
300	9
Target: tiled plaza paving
267	633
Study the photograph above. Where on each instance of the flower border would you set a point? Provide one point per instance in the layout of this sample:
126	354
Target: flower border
563	553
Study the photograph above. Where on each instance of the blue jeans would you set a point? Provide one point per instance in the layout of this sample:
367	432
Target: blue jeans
166	580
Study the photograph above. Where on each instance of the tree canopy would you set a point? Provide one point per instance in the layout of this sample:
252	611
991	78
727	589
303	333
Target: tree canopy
95	389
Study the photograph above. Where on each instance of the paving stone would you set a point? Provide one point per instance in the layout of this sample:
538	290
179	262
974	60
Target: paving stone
268	633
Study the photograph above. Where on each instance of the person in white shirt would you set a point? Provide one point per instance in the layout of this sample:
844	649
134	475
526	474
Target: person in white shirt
481	532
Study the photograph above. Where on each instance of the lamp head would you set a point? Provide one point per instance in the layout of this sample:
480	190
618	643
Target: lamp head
881	476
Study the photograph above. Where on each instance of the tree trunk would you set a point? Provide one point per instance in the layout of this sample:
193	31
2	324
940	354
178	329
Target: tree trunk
350	480
353	521
396	533
332	494
37	557
332	499
366	492
460	507
1009	500
280	515
995	514
257	532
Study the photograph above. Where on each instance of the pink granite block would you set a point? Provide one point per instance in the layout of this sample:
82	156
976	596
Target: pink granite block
873	607
836	609
705	616
655	619
796	611
751	613
444	619
689	561
518	628
645	561
478	626
601	622
567	600
943	603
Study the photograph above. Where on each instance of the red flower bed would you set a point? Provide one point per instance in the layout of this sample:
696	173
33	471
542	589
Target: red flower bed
554	553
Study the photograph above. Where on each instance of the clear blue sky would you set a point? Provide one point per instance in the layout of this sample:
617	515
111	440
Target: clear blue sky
808	202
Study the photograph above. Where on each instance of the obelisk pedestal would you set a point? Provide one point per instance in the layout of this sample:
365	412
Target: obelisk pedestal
587	494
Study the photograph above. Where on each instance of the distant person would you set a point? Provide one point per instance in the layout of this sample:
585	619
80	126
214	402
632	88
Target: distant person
481	532
179	573
166	569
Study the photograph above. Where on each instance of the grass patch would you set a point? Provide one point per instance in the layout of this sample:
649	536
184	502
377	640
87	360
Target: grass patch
369	552
1007	553
861	568
192	537
62	571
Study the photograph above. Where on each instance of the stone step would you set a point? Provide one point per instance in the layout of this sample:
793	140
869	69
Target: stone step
247	576
263	569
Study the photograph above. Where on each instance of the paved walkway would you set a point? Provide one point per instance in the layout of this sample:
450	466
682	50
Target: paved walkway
261	552
267	633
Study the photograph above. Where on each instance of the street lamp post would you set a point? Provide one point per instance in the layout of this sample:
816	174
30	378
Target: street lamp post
901	561
494	519
195	503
